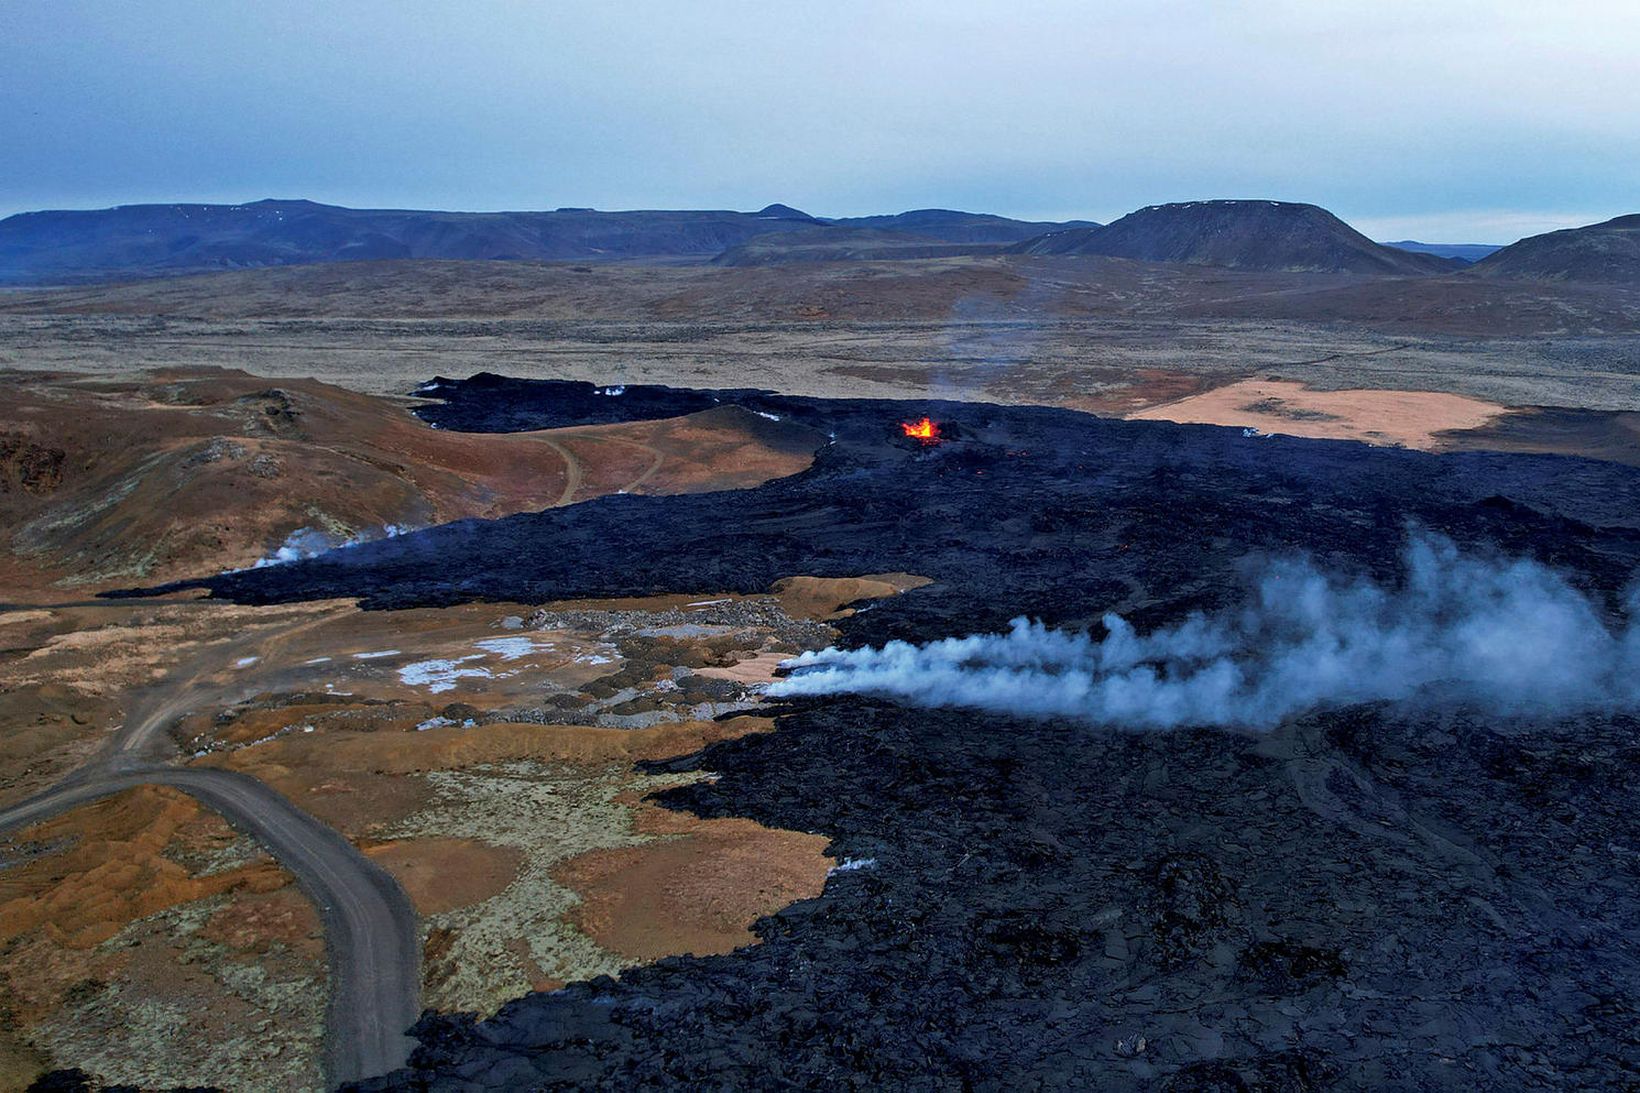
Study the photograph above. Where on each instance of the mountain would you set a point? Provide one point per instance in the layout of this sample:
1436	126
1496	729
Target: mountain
153	240
136	241
951	226
1608	252
1464	252
1254	235
834	243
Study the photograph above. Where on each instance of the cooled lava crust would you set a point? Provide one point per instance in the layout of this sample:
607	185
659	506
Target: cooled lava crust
1368	897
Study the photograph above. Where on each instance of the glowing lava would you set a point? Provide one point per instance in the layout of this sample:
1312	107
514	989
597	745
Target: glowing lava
924	430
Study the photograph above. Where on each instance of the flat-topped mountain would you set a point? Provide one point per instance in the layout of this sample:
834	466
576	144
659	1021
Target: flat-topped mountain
1256	235
1608	252
148	240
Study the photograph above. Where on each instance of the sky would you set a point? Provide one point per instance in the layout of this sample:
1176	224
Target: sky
1441	120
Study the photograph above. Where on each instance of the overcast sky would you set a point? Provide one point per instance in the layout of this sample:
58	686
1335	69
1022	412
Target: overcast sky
1447	120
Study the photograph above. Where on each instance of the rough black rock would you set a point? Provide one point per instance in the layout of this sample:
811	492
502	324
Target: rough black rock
1406	897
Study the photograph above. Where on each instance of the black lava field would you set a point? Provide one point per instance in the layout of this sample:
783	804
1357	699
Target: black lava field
1409	896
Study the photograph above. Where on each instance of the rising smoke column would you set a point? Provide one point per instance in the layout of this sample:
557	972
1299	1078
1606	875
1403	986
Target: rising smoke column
1511	637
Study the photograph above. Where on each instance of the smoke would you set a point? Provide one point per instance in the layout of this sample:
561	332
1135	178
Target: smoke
304	543
1508	636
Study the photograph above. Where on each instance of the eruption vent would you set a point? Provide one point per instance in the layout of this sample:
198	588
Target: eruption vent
1508	637
924	430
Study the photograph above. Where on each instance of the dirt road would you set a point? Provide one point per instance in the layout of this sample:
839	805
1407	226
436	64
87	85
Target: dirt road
372	937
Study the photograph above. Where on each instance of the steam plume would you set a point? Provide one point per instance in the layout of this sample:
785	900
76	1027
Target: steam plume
1511	637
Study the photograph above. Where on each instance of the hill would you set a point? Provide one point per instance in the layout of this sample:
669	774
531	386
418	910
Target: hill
959	227
1464	252
193	471
156	240
1608	252
1255	235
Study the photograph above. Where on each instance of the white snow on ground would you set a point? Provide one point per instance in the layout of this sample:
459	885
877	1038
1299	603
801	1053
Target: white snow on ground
441	675
317	660
245	662
376	655
849	865
765	413
510	648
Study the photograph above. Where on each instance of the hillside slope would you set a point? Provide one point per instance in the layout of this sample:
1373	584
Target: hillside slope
1608	252
196	471
1256	235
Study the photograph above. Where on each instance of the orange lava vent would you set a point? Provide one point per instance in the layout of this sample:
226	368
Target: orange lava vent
924	430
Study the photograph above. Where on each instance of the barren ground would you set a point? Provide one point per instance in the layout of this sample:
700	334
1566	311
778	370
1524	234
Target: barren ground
1412	419
485	755
488	756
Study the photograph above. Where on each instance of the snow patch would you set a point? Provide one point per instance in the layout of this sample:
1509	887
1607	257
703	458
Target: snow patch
509	648
850	865
441	675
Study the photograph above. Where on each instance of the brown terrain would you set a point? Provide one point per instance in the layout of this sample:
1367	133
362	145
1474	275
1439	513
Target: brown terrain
527	846
486	755
1409	419
1109	335
106	482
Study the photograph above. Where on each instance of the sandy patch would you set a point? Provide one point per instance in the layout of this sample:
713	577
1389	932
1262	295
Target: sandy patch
442	874
826	597
757	669
1409	419
698	893
15	617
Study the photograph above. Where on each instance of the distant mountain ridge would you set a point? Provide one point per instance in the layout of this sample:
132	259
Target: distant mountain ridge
149	240
836	243
1606	252
133	242
1464	252
1239	234
952	226
159	240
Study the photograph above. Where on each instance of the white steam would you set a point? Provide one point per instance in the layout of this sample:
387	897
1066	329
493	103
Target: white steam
1511	637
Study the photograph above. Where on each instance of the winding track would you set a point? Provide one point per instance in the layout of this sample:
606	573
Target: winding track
372	937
